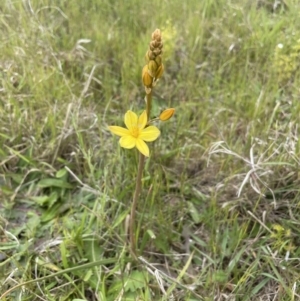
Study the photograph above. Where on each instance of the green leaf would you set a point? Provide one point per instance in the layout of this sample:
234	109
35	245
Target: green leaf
136	280
235	259
219	276
26	159
61	173
194	213
51	213
46	200
259	286
50	182
6	190
161	243
120	218
151	234
18	178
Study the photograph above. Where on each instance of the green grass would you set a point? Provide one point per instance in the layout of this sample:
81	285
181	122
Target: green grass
218	218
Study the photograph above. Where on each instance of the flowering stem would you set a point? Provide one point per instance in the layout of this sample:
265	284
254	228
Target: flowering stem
137	192
138	187
148	104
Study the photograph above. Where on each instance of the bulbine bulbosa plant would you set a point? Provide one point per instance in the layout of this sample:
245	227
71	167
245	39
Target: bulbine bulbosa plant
139	129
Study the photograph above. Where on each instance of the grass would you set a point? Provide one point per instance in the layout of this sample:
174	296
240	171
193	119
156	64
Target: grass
218	218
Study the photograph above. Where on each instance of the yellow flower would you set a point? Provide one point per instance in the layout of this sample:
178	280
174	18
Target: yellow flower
166	114
136	133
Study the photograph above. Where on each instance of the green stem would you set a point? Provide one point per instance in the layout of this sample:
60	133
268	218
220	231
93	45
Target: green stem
138	187
149	104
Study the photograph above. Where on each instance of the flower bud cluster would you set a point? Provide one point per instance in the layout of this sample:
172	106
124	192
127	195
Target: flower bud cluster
154	68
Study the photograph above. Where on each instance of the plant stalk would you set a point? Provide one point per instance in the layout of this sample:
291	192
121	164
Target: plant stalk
138	187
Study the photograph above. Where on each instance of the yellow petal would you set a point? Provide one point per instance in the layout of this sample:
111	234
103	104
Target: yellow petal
142	147
117	130
130	120
142	120
150	133
127	142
